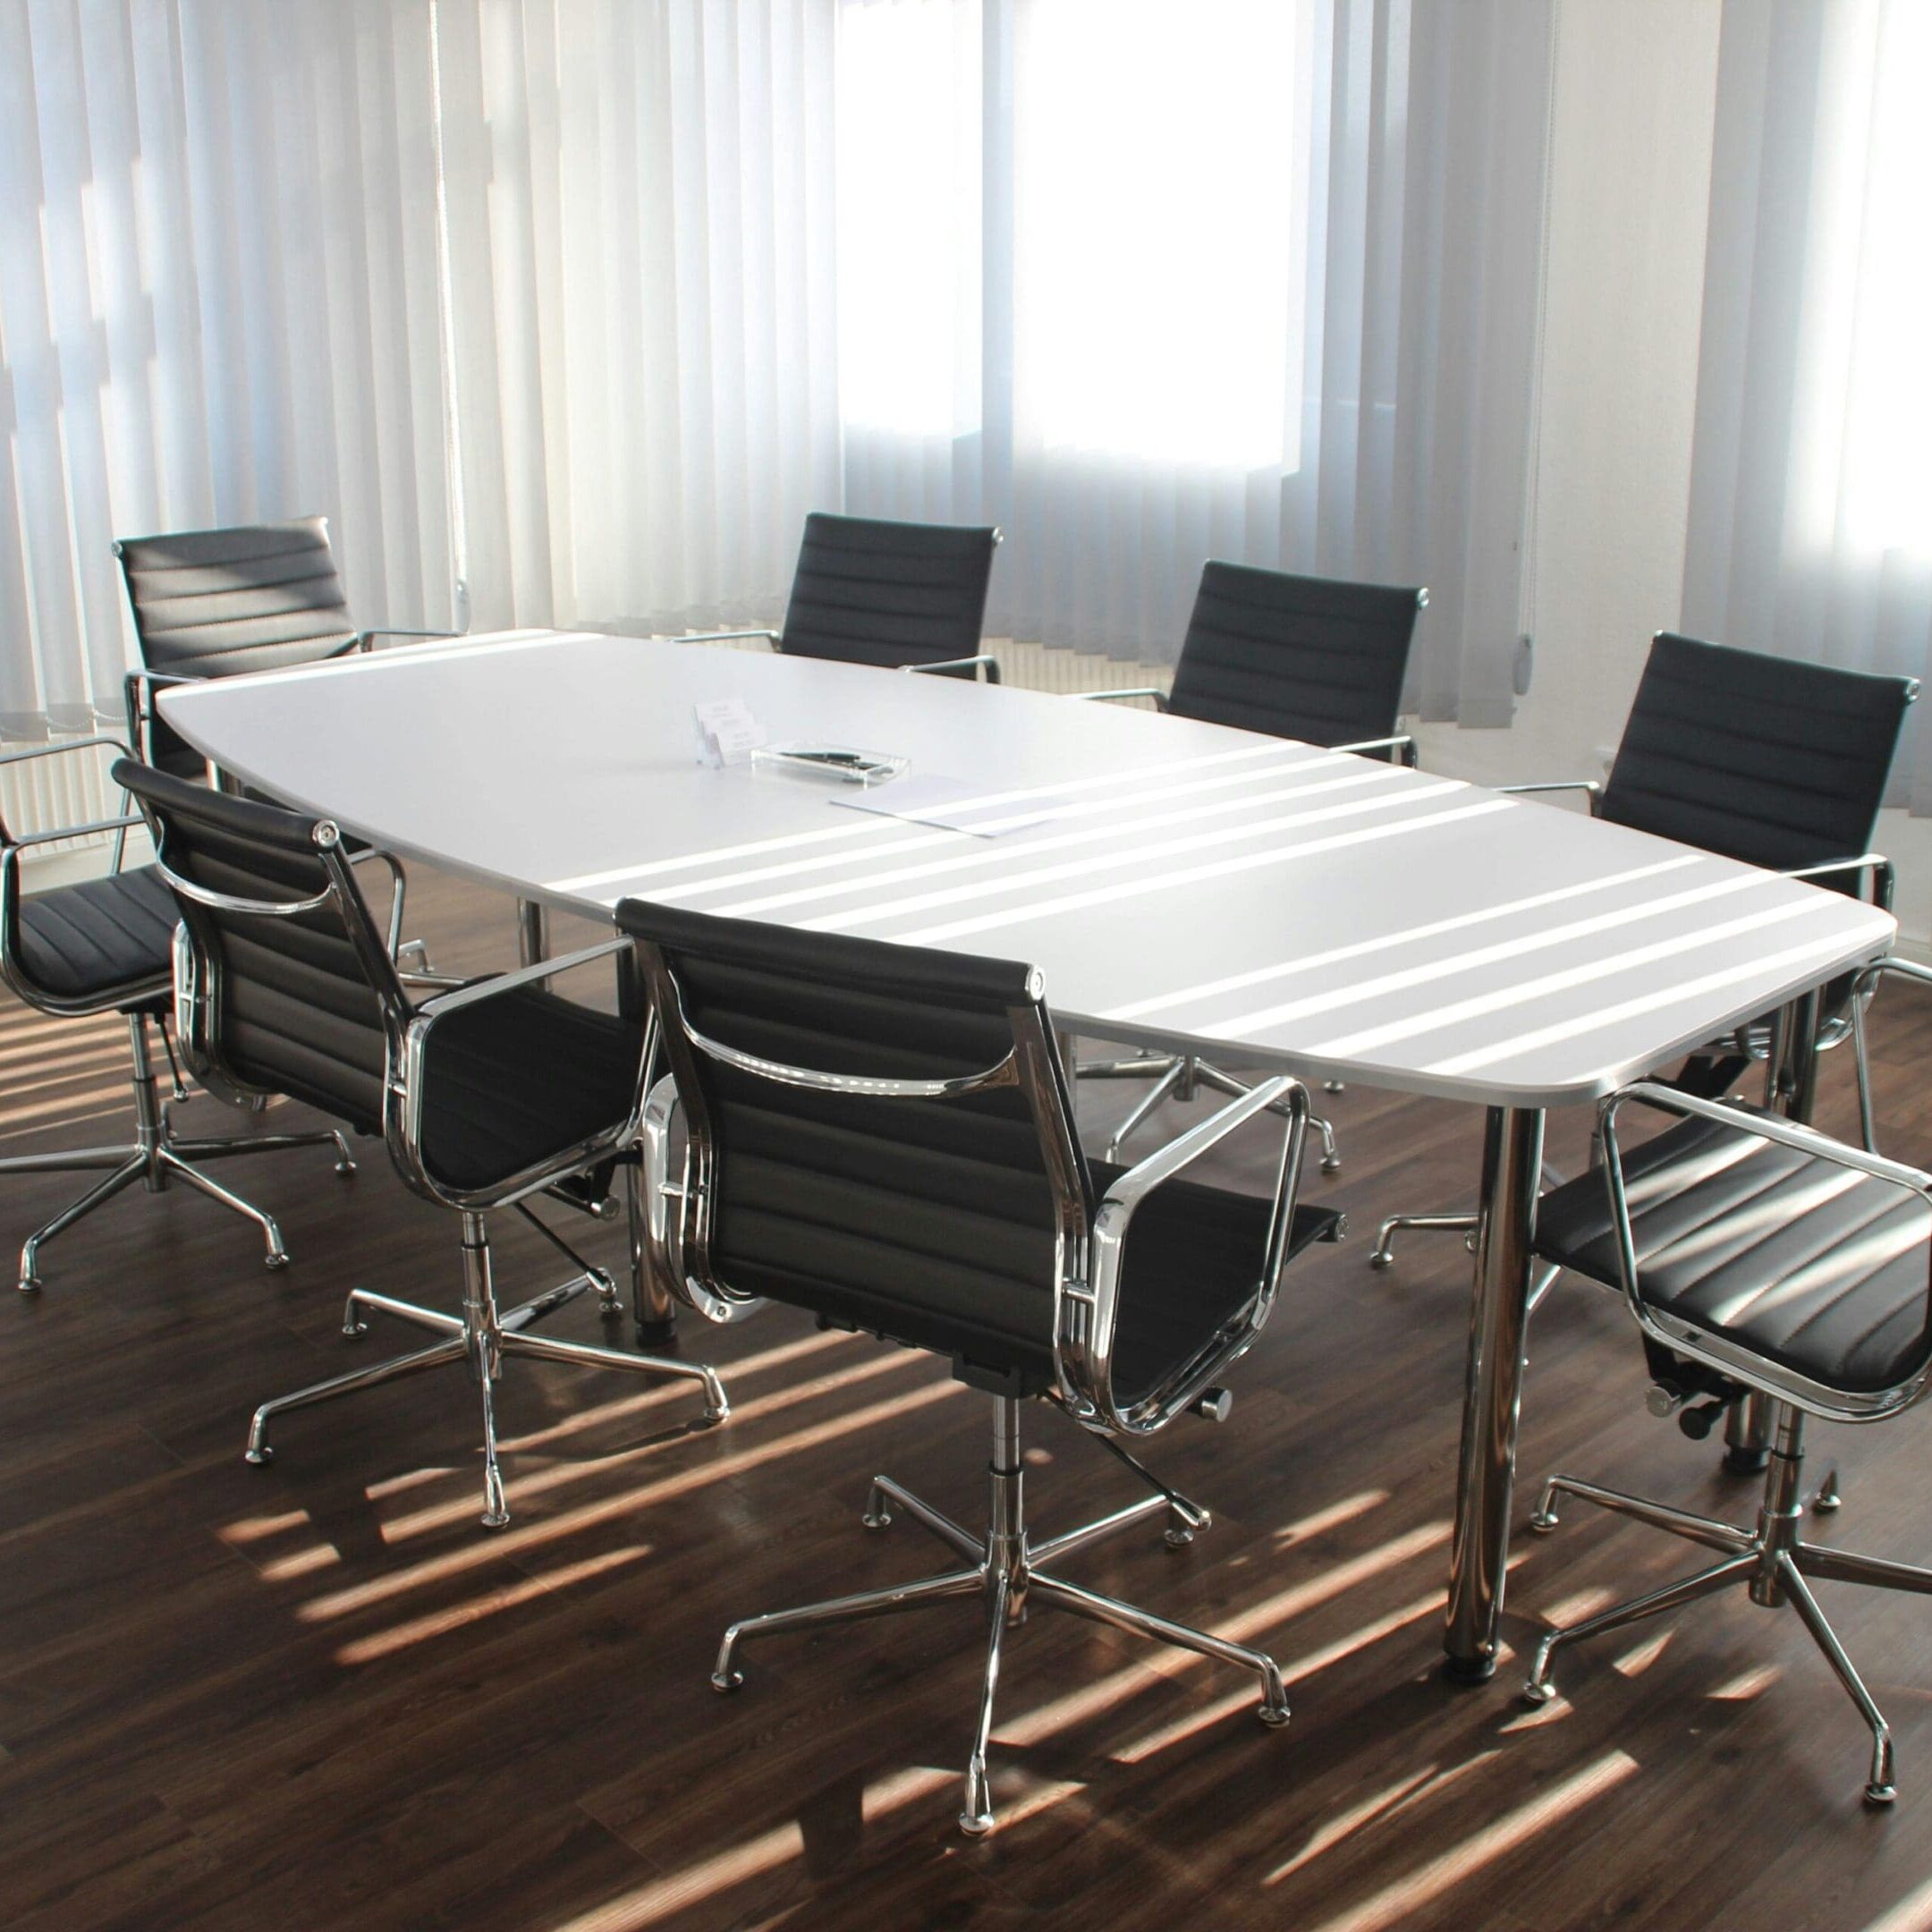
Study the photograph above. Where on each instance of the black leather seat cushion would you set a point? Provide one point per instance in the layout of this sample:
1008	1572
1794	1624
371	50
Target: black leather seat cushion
1193	1259
106	939
1810	1265
518	1078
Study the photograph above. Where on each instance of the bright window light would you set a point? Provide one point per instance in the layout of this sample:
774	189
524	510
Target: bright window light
1156	286
908	198
1873	388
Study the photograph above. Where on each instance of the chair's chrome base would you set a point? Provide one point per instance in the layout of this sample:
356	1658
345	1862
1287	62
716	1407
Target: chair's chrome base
1005	1572
1383	1254
154	1156
482	1337
1179	1074
1772	1562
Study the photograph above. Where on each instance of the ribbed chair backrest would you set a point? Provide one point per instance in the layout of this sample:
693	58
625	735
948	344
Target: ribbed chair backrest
302	1004
889	594
1765	760
932	1221
213	603
1306	658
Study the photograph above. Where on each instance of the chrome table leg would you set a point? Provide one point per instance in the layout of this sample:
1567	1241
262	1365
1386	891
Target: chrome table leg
1492	1396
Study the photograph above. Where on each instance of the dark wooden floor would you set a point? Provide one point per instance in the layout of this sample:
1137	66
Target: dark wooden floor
319	1696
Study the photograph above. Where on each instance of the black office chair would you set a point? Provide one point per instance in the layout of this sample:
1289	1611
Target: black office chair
1310	658
881	1135
1756	1256
1766	760
106	945
904	596
258	596
486	1096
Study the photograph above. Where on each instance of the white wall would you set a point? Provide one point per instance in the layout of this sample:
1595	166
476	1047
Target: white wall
1630	184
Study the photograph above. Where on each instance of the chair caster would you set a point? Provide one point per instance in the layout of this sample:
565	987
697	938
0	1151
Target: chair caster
352	1329
1537	1692
29	1284
1274	1716
1879	1796
1381	1259
1331	1163
726	1681
1543	1521
1177	1535
275	1261
345	1166
261	1455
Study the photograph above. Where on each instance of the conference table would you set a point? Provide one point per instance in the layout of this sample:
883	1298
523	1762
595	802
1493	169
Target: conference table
1181	885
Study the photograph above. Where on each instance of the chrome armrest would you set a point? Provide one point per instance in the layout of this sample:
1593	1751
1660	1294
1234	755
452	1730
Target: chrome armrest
985	661
1893	966
1778	1132
93	828
119	826
535	974
1591	787
365	639
1087	1313
1402	743
1884	877
723	637
408	1086
1110	697
65	745
668	1201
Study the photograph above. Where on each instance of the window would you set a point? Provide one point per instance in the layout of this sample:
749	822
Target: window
1154	157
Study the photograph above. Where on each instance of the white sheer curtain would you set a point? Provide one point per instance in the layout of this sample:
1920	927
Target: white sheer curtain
1246	278
217	302
586	303
642	246
1811	530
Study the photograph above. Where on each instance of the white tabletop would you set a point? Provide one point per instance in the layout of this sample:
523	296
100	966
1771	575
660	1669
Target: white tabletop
1196	885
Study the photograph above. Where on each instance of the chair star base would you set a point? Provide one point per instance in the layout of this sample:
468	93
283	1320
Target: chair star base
1006	1574
1179	1074
1772	1562
156	1156
482	1337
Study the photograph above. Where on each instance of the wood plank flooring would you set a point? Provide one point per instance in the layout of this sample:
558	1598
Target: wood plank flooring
318	1697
